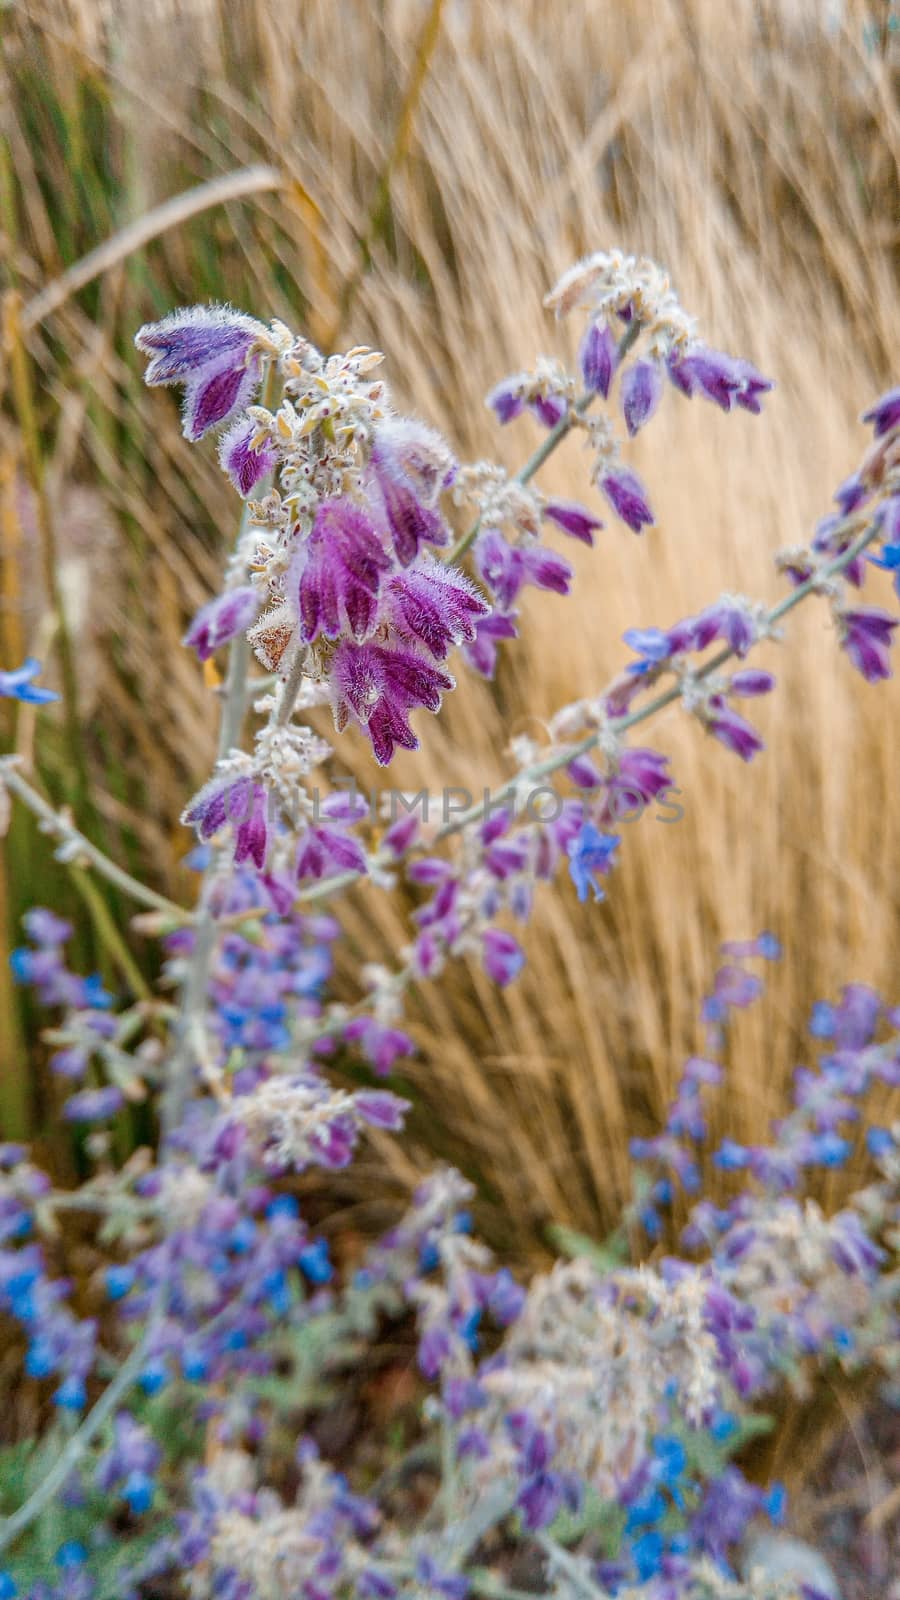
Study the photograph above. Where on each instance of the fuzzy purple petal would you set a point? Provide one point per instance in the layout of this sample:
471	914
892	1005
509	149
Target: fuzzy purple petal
244	465
598	355
627	496
641	391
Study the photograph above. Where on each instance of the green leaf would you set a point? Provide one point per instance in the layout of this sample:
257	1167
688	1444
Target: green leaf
579	1247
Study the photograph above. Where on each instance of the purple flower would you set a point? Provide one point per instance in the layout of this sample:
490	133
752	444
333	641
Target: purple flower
130	1462
641	389
240	800
720	378
752	386
540	1499
326	850
627	496
378	686
244	464
598	356
885	413
45	927
502	955
212	350
866	637
380	1109
725	619
506	399
506	568
222	619
451	1585
642	773
94	1105
549	408
482	652
850	494
380	1044
573	518
751	682
732	730
412	466
338	572
436	605
19	685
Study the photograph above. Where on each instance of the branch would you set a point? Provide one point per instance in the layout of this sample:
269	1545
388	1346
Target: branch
547	446
562	758
76	847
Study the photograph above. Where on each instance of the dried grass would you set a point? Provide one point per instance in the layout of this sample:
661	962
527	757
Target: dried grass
748	147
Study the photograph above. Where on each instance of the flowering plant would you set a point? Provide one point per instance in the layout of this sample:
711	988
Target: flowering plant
583	1426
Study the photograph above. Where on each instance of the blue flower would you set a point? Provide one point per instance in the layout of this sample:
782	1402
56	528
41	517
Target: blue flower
650	1508
195	1366
776	1502
671	1457
889	558
647	1553
651	644
18	685
71	1394
119	1280
731	1157
589	852
723	1426
821	1023
71	1554
138	1490
313	1260
40	1360
830	1150
154	1377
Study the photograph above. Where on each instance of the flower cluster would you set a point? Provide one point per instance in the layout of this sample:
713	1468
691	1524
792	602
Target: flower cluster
189	1303
342	540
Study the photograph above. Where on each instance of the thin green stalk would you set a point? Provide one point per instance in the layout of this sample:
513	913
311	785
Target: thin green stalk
77	848
567	1563
108	934
190	1029
69	1457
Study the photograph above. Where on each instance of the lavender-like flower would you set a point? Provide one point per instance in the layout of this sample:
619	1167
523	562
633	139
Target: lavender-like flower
221	620
598	357
641	390
412	466
338	573
245	456
214	352
377	687
435	605
885	413
867	635
627	496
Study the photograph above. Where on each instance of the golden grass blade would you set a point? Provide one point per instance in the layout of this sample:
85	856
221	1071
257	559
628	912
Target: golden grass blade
171	214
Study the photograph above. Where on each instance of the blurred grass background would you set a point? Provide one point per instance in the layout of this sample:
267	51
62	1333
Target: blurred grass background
434	167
